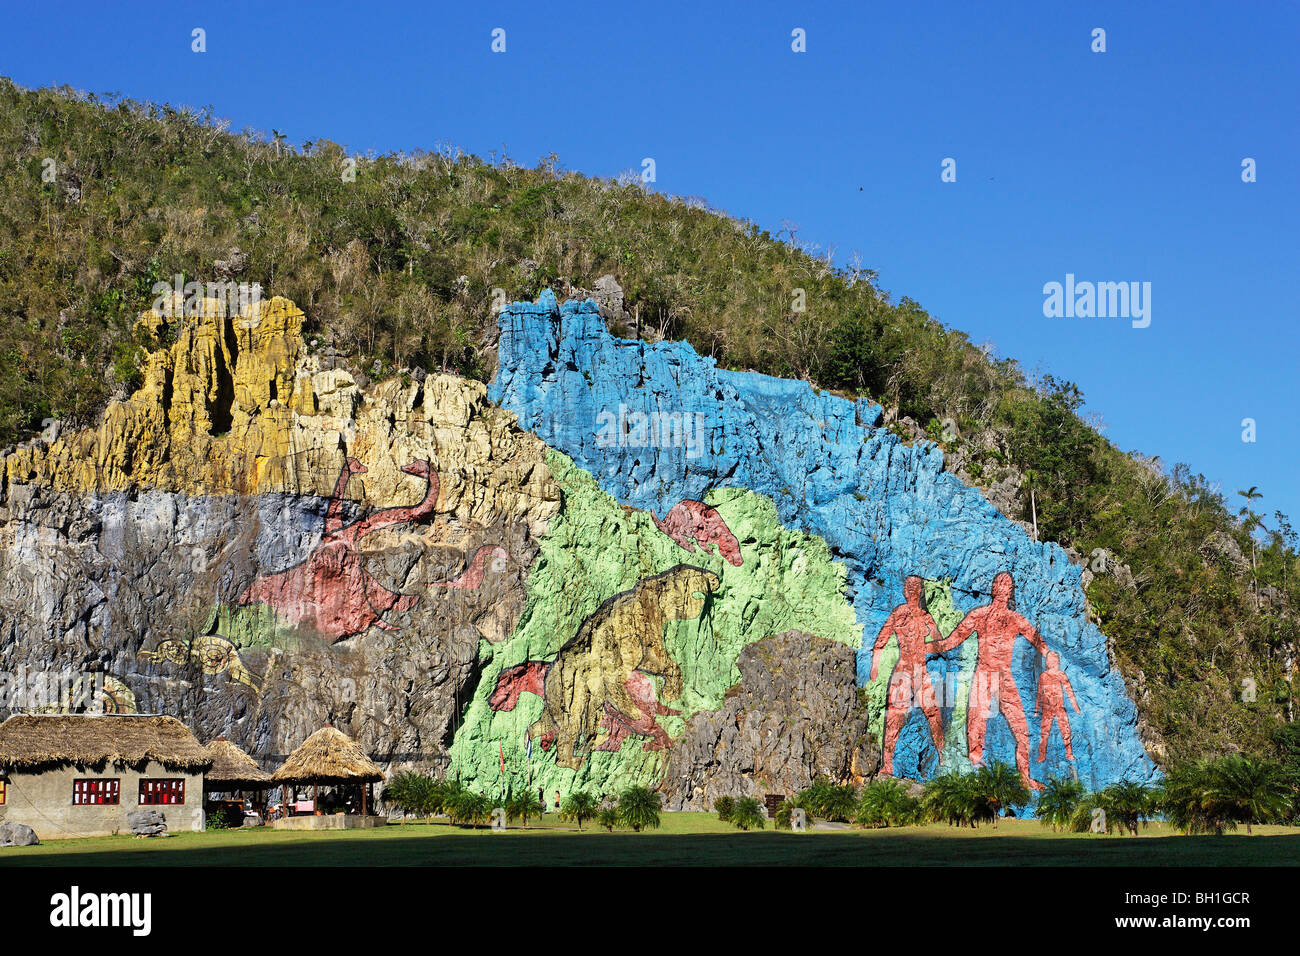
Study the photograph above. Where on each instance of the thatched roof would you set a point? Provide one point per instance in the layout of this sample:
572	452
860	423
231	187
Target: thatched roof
232	769
328	757
38	741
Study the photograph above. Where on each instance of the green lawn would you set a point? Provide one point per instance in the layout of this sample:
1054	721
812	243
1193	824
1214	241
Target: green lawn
685	839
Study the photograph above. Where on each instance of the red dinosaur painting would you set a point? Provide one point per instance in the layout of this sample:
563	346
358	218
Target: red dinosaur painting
691	523
332	591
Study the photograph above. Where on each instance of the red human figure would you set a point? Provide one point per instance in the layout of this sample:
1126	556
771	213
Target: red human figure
994	687
909	685
332	590
1053	686
528	677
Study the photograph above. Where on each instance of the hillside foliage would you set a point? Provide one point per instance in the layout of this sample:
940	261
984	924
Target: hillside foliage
102	197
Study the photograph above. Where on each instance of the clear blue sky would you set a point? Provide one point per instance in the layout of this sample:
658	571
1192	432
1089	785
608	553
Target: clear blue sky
1123	165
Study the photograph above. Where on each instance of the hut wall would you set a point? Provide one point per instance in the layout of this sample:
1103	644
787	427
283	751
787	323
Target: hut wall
43	801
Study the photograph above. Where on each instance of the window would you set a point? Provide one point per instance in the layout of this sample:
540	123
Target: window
4	790
96	792
158	792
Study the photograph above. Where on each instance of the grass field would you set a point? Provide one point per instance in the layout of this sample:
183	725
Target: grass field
685	839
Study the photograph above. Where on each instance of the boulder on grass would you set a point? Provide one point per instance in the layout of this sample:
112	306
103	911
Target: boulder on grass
147	823
17	834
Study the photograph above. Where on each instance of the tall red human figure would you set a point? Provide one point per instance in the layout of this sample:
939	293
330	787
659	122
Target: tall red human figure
993	687
909	686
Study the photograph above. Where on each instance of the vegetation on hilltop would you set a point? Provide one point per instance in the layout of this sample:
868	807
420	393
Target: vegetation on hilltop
104	197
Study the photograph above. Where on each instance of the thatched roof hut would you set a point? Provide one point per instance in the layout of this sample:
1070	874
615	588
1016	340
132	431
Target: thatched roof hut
232	769
328	758
35	742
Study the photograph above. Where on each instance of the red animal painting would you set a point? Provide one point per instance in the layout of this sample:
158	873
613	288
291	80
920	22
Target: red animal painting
691	523
472	577
332	591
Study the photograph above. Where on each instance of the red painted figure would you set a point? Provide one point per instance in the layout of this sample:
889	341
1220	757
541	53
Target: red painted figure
1053	686
994	687
692	523
332	590
909	685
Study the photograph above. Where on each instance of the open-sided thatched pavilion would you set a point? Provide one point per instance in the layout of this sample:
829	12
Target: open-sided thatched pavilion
233	770
329	758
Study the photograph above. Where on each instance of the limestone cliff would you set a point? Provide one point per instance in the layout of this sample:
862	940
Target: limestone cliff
256	544
659	573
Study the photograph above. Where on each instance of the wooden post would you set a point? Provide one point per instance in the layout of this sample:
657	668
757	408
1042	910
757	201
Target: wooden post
365	788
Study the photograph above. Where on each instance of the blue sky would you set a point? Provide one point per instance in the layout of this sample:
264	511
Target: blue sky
1115	166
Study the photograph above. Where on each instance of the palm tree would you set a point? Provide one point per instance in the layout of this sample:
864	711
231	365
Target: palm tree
785	813
724	807
579	806
1189	803
829	801
608	818
885	802
956	799
467	808
1058	801
1002	786
638	808
747	814
521	806
1081	819
1129	803
1251	791
440	794
410	792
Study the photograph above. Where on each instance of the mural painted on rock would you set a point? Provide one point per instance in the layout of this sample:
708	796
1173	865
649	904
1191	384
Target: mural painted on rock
495	593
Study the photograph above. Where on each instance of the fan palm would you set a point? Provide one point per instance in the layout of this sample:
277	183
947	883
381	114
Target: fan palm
747	814
1129	803
1246	790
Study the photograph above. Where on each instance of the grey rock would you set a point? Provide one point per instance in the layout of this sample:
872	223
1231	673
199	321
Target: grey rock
147	822
1220	546
17	834
794	716
234	263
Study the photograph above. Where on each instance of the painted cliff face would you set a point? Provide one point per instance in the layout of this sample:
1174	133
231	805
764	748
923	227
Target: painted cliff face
257	546
887	511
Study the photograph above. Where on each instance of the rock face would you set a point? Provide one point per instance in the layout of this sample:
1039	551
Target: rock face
619	565
658	425
260	547
794	716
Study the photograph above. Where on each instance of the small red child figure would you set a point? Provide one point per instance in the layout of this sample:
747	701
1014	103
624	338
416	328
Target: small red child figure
1053	685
